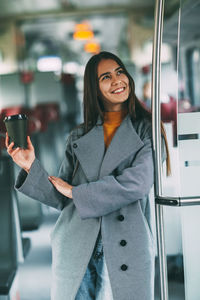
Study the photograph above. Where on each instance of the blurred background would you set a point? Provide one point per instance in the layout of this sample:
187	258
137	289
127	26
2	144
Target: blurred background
44	47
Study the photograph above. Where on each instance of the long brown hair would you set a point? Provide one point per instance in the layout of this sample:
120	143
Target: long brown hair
92	104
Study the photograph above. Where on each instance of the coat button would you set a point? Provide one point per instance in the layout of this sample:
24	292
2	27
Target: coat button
120	218
124	267
75	145
123	243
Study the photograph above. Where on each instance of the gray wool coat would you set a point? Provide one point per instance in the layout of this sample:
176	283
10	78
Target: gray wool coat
110	192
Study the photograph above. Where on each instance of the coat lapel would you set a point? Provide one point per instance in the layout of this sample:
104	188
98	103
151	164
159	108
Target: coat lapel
125	142
90	152
90	149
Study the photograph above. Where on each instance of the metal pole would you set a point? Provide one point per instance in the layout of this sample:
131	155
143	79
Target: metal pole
156	130
161	252
156	114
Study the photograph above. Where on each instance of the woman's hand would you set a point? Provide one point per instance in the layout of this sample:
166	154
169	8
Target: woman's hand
22	157
62	186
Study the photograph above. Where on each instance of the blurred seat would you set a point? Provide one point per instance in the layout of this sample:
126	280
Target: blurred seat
31	213
2	134
46	112
8	245
51	135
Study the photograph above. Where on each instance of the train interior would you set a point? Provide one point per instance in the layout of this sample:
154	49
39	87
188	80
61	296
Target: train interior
44	46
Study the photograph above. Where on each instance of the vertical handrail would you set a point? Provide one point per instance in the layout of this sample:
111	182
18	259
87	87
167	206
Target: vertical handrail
156	113
156	131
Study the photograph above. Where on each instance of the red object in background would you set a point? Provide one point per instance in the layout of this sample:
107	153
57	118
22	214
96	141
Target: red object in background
38	118
67	78
26	77
169	110
12	110
146	69
34	125
46	112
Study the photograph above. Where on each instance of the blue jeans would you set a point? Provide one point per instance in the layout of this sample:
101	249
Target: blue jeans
96	284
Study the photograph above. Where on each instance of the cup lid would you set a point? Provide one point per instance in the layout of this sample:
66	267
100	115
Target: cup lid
15	117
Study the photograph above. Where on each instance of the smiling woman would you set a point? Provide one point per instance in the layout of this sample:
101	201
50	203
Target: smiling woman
102	243
113	85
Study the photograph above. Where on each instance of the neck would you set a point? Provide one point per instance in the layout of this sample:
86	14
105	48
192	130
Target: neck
116	108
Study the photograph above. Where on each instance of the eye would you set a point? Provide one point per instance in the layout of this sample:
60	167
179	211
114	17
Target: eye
105	77
121	71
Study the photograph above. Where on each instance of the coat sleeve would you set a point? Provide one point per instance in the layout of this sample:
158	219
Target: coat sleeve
36	185
111	193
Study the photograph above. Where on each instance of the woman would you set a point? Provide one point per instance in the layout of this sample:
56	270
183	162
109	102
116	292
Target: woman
102	243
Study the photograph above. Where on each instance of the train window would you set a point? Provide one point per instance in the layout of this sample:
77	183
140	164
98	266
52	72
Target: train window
193	71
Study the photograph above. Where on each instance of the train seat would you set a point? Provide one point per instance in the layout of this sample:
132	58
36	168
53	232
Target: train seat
8	245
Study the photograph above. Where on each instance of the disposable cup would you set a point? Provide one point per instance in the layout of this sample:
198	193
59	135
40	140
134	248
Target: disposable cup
16	126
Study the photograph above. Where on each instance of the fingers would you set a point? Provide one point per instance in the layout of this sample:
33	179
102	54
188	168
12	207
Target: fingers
12	151
15	151
56	180
29	143
10	148
7	140
52	179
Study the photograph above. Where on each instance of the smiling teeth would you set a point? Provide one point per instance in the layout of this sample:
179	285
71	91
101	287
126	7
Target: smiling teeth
119	90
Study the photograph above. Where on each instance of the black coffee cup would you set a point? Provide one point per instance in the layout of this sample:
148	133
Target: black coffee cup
16	126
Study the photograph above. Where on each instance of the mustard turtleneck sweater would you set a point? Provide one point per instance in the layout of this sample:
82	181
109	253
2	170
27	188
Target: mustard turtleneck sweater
112	120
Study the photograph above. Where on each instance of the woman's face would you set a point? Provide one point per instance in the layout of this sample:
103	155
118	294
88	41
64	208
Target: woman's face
113	85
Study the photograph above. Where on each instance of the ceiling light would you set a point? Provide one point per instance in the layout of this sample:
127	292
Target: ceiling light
83	31
92	47
49	64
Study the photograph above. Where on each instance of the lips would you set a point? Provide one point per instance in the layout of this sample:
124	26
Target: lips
118	91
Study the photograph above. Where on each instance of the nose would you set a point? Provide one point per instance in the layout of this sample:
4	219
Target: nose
115	80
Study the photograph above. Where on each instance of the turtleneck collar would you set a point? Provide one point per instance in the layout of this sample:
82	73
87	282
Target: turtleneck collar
114	117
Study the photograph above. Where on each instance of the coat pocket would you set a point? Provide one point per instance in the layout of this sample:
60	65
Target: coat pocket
63	220
146	226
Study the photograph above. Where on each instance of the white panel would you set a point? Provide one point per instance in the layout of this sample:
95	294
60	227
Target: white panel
189	154
170	186
189	123
189	150
11	90
191	250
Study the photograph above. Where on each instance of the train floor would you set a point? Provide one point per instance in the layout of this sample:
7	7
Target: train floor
34	275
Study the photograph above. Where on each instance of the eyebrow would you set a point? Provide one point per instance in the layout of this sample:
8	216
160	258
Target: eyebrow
107	73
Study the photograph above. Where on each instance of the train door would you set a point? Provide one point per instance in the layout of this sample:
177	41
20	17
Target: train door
176	101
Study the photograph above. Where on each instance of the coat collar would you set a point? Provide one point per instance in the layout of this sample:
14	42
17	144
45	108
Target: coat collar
90	149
